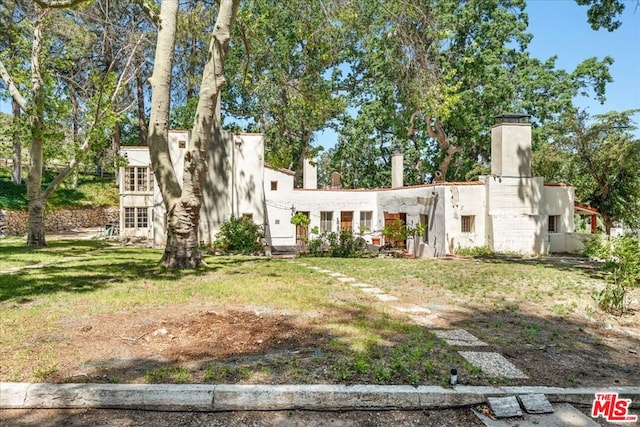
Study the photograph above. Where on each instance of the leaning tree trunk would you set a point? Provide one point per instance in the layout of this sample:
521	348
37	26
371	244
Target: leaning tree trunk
436	130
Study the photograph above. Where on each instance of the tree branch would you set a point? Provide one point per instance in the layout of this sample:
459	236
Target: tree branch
58	4
149	11
13	89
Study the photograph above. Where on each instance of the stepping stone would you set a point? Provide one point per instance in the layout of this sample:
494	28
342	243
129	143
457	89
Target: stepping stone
372	290
336	275
415	309
428	321
325	271
535	404
346	279
361	285
460	337
493	364
505	407
563	416
315	268
385	297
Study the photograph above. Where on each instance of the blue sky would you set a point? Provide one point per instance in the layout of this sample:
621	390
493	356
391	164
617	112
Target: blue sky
560	27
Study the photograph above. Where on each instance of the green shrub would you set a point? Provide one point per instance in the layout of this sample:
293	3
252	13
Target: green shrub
239	236
338	245
478	251
621	262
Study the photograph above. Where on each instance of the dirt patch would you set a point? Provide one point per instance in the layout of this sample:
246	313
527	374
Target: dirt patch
232	345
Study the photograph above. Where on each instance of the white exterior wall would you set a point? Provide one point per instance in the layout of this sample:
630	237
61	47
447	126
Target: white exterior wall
559	201
178	141
337	201
514	221
416	201
234	185
278	208
136	156
459	201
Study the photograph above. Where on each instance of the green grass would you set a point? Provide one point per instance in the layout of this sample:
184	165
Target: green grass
359	341
92	191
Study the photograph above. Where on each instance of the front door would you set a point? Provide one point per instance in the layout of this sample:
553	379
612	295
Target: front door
346	220
302	231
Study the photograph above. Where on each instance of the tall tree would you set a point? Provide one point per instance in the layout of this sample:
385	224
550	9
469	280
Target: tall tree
50	67
286	80
600	157
183	202
432	75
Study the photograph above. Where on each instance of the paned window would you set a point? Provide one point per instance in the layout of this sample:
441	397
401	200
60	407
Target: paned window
468	224
326	220
365	220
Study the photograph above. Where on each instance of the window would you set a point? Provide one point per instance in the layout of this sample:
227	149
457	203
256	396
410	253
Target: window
129	217
274	185
182	143
247	216
468	223
326	219
138	178
365	220
424	221
142	218
136	217
554	224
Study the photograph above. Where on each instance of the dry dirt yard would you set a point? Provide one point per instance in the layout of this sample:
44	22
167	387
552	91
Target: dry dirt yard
236	345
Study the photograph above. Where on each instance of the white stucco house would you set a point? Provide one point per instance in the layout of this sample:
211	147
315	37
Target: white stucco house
506	211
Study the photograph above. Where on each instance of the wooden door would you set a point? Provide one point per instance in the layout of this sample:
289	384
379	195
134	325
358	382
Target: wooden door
346	220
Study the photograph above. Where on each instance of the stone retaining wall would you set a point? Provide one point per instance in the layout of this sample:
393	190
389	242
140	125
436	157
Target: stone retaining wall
14	223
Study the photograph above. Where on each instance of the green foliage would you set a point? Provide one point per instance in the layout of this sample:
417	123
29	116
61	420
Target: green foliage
621	257
395	233
601	160
300	219
603	13
337	245
478	251
91	191
239	235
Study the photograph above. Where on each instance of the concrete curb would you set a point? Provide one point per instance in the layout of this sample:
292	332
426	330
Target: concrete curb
223	397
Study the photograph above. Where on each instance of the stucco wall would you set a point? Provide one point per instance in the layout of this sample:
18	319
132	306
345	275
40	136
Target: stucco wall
279	208
459	201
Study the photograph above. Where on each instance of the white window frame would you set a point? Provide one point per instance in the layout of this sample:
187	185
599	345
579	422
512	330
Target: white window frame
135	217
138	179
326	221
366	220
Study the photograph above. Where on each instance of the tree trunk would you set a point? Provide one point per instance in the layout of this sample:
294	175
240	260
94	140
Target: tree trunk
183	204
36	232
142	119
16	173
436	131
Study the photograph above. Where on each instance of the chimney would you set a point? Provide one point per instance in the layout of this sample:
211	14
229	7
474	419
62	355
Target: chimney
309	175
511	146
335	180
397	169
